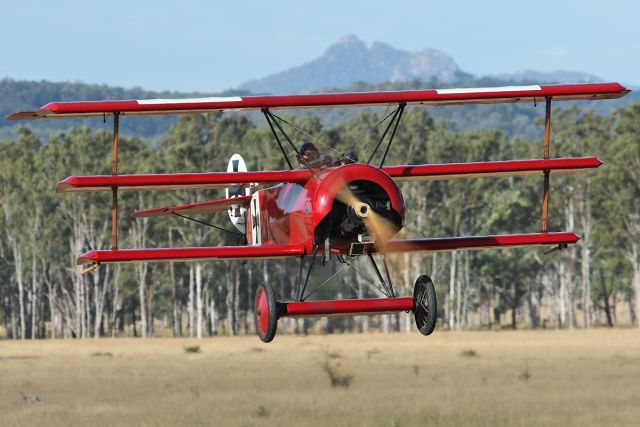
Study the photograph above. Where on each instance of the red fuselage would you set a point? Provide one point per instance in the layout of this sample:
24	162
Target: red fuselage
309	214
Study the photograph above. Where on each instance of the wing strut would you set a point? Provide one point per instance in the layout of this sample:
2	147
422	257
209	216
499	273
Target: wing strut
395	121
544	225
235	233
114	190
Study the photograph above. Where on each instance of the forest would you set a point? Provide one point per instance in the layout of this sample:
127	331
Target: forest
595	283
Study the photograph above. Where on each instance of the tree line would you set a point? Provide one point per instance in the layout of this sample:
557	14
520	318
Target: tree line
593	283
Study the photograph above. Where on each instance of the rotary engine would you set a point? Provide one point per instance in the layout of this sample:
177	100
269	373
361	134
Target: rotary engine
361	213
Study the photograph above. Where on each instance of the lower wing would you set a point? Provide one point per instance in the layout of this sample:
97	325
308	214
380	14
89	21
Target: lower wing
190	254
503	241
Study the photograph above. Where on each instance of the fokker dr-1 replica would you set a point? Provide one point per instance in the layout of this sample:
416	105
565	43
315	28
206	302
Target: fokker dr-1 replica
325	210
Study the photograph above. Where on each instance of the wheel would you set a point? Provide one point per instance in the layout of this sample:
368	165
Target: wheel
266	312
425	307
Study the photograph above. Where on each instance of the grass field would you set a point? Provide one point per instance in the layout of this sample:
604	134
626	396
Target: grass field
546	378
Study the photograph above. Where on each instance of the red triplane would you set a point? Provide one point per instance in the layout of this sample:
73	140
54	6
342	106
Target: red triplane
329	212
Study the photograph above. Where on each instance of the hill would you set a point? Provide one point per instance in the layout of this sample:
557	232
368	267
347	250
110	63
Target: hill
550	77
24	95
349	60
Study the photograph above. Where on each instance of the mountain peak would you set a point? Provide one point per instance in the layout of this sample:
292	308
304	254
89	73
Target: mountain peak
349	60
349	39
344	48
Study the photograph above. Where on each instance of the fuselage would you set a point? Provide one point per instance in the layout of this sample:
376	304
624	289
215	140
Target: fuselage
324	209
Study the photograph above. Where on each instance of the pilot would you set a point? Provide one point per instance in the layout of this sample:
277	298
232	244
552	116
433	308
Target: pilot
346	159
311	157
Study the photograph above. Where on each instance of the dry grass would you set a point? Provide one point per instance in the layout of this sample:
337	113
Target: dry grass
581	378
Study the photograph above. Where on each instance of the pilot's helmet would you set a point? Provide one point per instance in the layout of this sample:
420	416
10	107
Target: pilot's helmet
350	157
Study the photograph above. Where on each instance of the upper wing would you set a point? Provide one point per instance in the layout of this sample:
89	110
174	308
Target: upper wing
489	169
481	242
191	254
180	180
195	208
425	97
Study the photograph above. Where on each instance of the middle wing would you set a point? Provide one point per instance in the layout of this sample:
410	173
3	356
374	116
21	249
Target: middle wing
301	176
489	169
179	181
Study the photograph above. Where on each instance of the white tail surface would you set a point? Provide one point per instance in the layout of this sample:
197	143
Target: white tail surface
237	213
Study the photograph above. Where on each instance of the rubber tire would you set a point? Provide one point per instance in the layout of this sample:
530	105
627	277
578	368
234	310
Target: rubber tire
266	298
425	317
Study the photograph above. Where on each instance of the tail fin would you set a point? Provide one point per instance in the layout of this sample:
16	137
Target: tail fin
237	213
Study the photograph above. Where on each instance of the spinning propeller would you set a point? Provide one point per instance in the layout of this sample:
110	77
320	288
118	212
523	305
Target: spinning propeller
377	225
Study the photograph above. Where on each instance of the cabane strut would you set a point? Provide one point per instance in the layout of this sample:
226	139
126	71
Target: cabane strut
396	116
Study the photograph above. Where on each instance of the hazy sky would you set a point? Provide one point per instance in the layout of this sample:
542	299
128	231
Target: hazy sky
209	46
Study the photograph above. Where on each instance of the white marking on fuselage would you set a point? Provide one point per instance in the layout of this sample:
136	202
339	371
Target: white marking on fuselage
487	89
237	213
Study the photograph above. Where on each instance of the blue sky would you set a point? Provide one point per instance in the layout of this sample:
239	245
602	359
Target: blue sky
210	46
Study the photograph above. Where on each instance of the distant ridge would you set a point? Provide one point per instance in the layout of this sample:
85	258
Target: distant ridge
25	95
350	61
550	77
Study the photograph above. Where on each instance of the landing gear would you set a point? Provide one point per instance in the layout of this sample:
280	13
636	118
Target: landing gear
266	312
425	307
423	304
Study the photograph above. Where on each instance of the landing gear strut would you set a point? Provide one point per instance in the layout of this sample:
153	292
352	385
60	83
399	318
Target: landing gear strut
425	307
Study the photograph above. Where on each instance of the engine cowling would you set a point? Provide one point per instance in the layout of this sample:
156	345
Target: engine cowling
348	200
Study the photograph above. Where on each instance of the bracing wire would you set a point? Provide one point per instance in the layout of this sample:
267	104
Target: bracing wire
386	115
301	131
367	279
315	139
323	283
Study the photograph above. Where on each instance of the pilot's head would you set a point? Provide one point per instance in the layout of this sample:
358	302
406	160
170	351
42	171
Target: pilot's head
308	152
350	157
